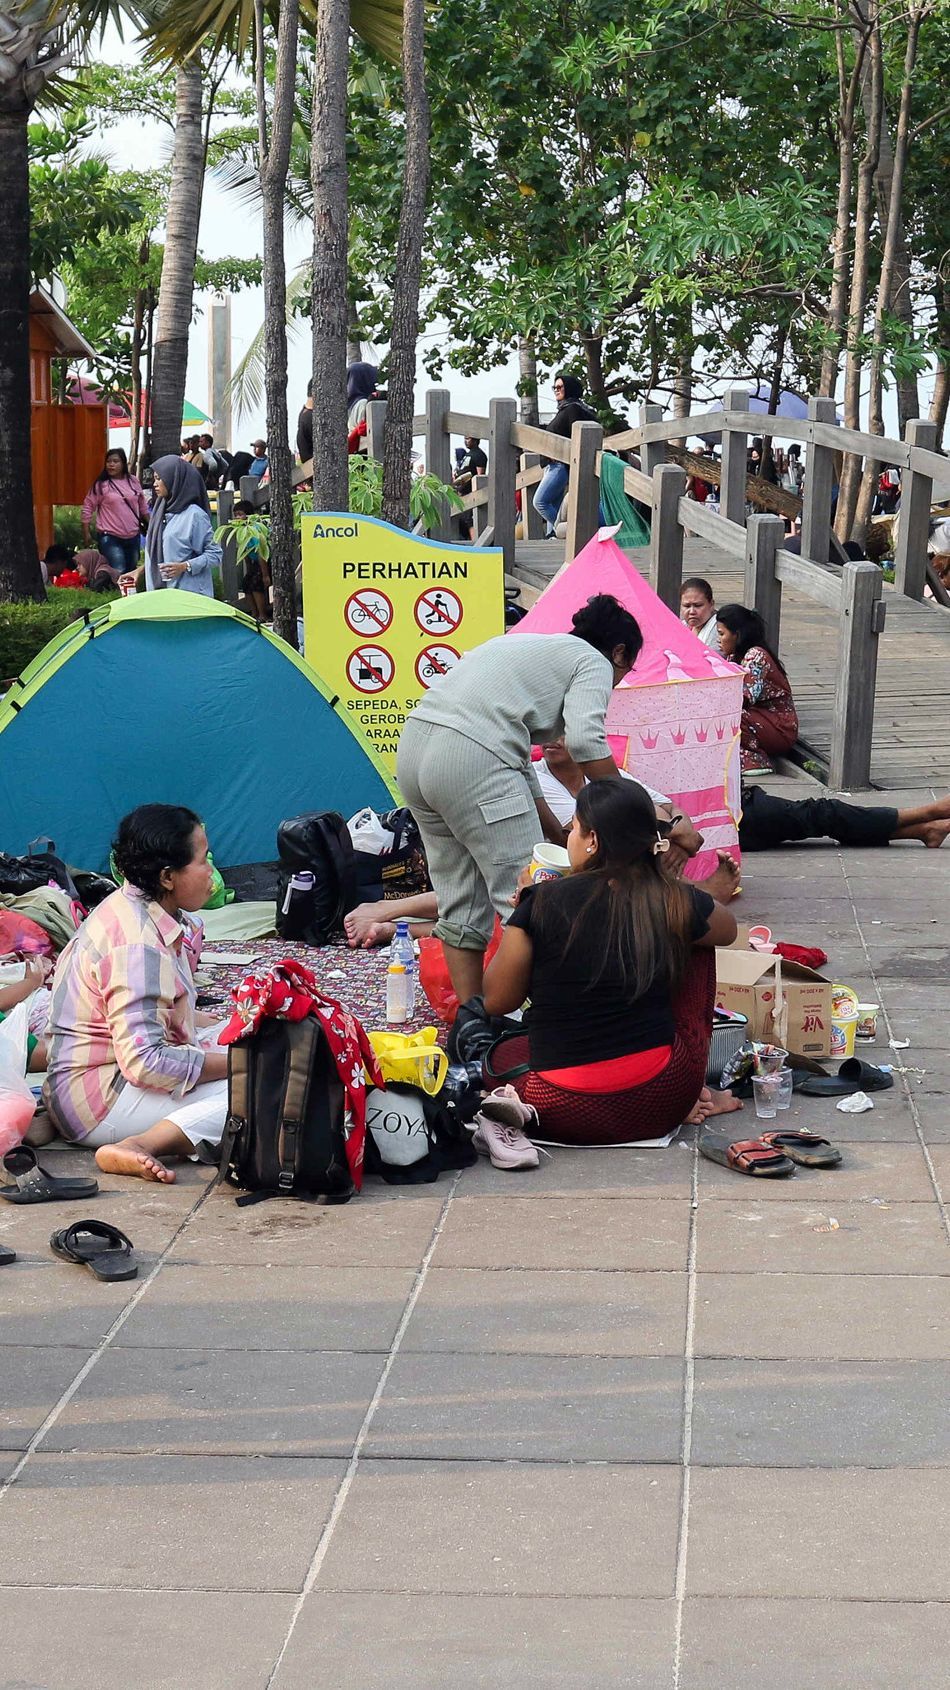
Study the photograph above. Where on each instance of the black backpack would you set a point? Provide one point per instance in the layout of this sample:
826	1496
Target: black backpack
284	1133
318	845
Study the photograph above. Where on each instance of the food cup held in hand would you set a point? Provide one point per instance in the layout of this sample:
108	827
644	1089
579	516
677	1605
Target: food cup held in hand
867	1021
549	862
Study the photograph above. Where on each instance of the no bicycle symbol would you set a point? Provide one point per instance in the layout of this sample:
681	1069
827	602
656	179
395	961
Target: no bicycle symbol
438	611
434	661
370	669
368	612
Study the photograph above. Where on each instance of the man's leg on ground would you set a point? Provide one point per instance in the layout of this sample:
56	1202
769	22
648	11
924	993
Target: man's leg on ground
768	822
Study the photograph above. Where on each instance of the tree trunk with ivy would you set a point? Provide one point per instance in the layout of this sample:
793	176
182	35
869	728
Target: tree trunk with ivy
274	141
397	452
330	238
170	362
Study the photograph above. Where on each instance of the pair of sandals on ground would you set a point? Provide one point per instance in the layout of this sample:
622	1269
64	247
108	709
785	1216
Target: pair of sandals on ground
90	1243
774	1154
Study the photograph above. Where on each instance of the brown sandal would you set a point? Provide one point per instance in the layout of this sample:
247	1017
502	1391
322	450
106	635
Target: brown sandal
805	1148
747	1155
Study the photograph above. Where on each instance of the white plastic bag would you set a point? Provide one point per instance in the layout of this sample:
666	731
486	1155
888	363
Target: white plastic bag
397	1122
17	1103
369	835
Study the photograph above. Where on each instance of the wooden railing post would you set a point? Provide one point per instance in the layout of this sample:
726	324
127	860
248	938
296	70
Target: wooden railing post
819	481
735	458
666	534
653	452
532	522
913	527
583	490
375	429
479	519
502	470
439	451
862	619
763	589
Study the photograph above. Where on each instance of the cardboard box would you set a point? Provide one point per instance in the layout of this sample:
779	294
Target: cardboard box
785	1003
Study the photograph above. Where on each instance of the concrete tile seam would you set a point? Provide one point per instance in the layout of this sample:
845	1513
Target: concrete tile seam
689	1391
67	1396
879	982
346	1483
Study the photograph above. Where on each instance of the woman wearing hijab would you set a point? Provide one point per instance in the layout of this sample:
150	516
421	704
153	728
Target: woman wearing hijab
360	387
570	409
180	550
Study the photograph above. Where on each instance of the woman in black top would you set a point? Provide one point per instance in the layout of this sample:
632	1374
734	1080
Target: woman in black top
617	962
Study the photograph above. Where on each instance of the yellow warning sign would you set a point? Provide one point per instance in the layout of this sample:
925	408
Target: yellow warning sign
387	613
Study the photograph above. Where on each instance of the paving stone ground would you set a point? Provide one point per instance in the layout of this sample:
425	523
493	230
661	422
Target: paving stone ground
631	1420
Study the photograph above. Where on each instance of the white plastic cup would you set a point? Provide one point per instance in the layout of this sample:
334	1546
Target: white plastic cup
783	1094
765	1090
867	1021
549	862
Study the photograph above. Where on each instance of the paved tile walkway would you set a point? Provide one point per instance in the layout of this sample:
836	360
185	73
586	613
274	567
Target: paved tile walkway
630	1421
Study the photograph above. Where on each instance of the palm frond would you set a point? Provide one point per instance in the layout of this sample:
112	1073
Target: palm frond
246	387
176	30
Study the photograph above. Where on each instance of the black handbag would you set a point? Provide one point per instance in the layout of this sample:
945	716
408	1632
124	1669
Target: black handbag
40	866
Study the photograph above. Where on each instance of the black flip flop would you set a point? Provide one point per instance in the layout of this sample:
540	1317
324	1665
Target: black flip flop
96	1245
807	1149
32	1184
746	1155
6	1255
853	1075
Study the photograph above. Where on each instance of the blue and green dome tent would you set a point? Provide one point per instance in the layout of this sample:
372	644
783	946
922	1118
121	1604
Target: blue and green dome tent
174	698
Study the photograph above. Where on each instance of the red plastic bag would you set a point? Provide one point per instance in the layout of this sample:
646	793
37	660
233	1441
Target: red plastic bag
434	974
18	933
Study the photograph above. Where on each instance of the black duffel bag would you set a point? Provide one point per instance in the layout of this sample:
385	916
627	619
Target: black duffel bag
40	866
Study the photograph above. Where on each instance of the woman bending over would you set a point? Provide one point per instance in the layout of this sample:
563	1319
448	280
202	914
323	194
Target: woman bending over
617	960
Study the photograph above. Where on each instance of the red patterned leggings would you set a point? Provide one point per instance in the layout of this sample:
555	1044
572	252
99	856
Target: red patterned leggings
647	1111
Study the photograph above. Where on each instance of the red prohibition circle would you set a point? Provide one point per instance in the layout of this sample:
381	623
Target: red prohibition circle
365	672
371	624
429	668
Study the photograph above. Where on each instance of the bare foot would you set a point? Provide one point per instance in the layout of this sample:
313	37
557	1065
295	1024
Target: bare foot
933	834
711	1102
123	1158
364	929
724	883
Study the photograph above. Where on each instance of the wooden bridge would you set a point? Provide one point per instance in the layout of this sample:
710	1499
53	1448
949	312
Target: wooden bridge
869	663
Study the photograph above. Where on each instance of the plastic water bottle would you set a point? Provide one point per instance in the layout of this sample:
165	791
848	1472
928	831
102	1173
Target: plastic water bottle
397	993
402	950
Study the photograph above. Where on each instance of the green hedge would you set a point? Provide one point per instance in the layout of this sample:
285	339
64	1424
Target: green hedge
25	628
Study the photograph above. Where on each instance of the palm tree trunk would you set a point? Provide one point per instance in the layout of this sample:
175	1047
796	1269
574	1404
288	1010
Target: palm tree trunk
397	456
527	382
170	366
851	473
20	576
841	240
330	239
274	163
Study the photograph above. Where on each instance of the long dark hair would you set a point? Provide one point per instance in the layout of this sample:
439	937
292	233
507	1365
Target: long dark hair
749	629
113	452
604	623
643	915
151	839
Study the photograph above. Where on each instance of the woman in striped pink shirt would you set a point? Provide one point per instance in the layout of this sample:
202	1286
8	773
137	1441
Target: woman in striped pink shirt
134	1071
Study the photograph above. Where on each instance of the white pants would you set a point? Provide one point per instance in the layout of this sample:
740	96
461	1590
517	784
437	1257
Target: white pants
200	1113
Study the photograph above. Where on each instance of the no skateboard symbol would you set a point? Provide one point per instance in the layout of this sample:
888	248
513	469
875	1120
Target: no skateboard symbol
368	612
438	611
433	662
370	669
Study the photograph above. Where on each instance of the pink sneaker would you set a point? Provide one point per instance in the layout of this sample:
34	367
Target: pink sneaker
505	1145
504	1104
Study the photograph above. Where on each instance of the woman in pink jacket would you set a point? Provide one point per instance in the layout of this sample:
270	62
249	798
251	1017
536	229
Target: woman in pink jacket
119	506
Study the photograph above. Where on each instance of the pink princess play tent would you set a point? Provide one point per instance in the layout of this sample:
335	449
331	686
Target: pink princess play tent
675	722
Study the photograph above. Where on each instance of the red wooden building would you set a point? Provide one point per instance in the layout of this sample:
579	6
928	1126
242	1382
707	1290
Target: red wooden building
69	441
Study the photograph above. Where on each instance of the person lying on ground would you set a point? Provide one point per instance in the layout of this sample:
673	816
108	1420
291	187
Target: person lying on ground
129	1073
769	718
465	771
769	822
617	960
36	972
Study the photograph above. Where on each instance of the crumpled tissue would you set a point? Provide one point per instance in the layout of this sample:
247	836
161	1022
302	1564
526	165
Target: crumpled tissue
857	1104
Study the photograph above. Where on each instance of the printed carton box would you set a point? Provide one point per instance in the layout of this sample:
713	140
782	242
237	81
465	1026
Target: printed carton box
785	1003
